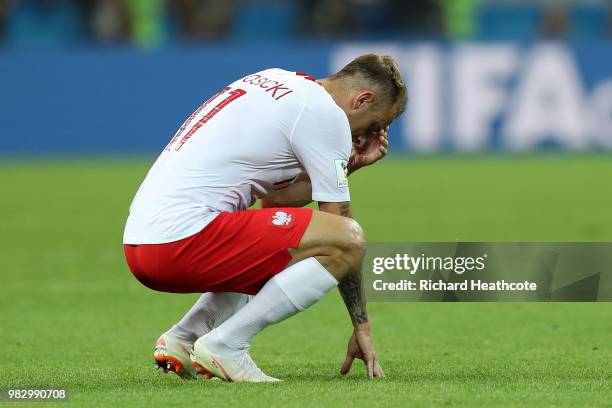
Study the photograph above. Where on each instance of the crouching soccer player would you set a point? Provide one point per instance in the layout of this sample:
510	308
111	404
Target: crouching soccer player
287	139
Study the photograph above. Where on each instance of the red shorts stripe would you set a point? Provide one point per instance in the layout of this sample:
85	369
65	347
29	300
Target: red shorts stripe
236	252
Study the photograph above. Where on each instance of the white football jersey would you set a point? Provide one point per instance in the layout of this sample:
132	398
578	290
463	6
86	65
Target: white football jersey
256	135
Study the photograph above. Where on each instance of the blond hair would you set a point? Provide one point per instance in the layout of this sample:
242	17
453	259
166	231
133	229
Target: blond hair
383	72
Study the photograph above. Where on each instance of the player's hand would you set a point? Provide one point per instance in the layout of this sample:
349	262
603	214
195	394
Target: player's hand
369	150
361	346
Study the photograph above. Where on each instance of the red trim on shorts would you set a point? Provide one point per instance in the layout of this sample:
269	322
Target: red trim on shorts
236	252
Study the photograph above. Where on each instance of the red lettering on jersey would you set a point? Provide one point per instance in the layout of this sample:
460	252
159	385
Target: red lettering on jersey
193	115
232	96
266	82
286	93
269	85
250	78
276	88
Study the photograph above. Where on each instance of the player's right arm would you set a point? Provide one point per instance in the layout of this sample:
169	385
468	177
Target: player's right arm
299	193
322	142
361	344
351	287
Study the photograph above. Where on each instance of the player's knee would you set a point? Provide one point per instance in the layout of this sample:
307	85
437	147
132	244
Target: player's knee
352	245
355	238
342	252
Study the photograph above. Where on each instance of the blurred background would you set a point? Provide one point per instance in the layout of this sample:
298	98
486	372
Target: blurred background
507	137
483	75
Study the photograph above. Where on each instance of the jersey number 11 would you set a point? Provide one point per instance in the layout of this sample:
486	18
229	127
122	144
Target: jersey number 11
181	136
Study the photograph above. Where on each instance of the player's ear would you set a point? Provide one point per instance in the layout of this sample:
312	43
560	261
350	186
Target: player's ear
363	99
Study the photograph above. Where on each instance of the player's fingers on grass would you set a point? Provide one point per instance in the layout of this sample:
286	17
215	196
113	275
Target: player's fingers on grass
378	371
347	364
370	364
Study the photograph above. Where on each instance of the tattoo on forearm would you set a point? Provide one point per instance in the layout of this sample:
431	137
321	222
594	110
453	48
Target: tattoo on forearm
345	209
351	289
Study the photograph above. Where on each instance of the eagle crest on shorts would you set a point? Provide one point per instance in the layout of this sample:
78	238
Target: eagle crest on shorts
281	218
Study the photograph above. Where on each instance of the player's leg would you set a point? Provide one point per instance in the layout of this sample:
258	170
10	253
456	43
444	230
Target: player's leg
331	245
330	248
208	312
336	242
173	348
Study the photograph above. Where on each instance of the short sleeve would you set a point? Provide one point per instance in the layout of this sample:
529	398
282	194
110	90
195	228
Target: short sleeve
321	140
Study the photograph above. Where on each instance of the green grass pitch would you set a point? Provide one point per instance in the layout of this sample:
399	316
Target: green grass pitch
72	316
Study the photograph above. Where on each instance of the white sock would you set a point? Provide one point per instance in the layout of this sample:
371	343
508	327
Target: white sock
209	311
286	294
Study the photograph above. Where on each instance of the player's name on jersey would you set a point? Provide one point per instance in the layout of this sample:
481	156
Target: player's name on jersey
277	89
466	285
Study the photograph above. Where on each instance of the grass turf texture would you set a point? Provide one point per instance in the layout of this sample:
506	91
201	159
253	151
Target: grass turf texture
72	316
